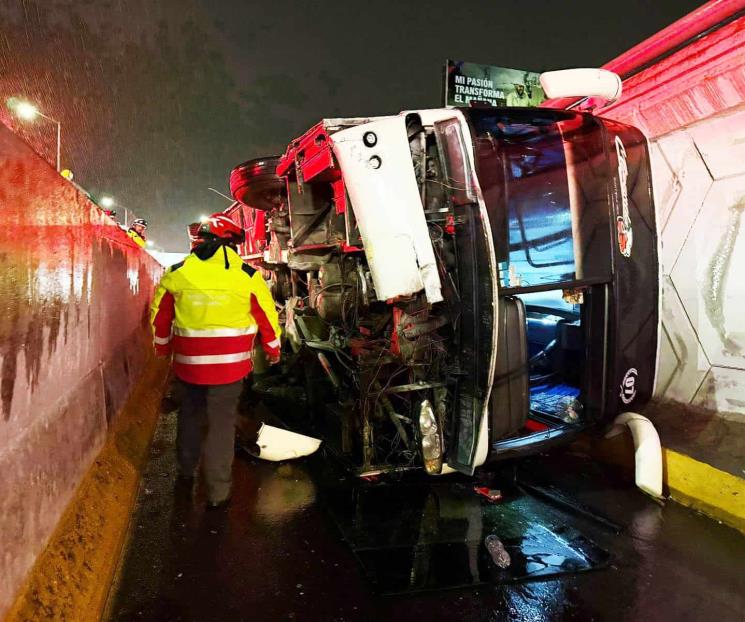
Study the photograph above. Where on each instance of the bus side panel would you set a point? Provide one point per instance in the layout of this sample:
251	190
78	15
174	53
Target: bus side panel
635	286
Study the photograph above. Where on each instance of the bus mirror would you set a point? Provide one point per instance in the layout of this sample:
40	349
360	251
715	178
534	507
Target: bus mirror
582	83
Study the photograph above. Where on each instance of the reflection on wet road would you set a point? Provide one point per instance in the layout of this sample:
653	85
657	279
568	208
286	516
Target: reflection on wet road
435	538
303	542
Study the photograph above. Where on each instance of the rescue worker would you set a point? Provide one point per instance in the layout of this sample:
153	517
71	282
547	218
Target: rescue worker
207	311
136	231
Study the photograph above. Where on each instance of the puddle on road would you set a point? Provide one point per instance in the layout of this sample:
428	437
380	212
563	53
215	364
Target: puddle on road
418	536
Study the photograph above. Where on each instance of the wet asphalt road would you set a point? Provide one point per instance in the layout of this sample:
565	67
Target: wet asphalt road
277	552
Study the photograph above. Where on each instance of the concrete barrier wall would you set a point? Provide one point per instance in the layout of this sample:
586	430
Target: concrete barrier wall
74	293
692	107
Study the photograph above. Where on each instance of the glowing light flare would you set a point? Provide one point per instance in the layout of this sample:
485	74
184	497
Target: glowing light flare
26	111
107	202
203	218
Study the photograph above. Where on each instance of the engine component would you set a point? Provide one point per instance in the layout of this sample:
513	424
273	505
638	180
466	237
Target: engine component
281	284
329	370
414	386
278	231
310	261
291	329
328	298
394	417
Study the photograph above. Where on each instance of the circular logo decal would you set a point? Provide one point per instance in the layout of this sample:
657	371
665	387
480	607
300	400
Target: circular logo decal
628	386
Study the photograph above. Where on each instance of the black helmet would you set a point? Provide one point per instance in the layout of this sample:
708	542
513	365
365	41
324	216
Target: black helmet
139	221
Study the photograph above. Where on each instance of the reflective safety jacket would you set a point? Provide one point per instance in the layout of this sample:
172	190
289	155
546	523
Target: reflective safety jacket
136	238
207	312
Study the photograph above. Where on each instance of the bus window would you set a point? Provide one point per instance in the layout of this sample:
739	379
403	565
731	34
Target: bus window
539	221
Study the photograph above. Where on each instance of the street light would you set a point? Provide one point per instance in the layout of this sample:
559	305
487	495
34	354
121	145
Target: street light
28	112
107	202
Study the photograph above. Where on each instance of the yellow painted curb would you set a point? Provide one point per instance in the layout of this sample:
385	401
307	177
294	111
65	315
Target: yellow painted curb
71	578
689	482
704	488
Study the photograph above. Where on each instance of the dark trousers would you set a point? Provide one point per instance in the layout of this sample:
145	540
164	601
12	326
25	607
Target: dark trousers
212	407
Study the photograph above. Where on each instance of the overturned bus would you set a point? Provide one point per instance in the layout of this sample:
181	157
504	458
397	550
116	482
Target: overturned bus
458	286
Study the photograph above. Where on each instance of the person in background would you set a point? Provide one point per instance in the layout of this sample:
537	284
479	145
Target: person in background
192	231
207	311
137	230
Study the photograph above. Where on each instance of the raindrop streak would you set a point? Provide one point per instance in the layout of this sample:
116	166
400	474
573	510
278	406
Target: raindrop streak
714	289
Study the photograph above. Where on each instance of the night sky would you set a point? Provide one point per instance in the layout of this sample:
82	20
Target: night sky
159	99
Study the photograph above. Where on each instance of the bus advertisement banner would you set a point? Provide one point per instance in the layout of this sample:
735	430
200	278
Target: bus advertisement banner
467	84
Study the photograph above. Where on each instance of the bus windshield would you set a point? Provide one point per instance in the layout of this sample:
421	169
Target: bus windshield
533	192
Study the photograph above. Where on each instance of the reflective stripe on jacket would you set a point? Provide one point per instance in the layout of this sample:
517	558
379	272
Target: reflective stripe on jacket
208	312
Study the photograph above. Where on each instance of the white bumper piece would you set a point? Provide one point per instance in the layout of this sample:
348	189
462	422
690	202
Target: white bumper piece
647	451
276	444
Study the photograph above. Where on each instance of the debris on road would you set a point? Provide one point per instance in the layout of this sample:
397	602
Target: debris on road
491	494
498	553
